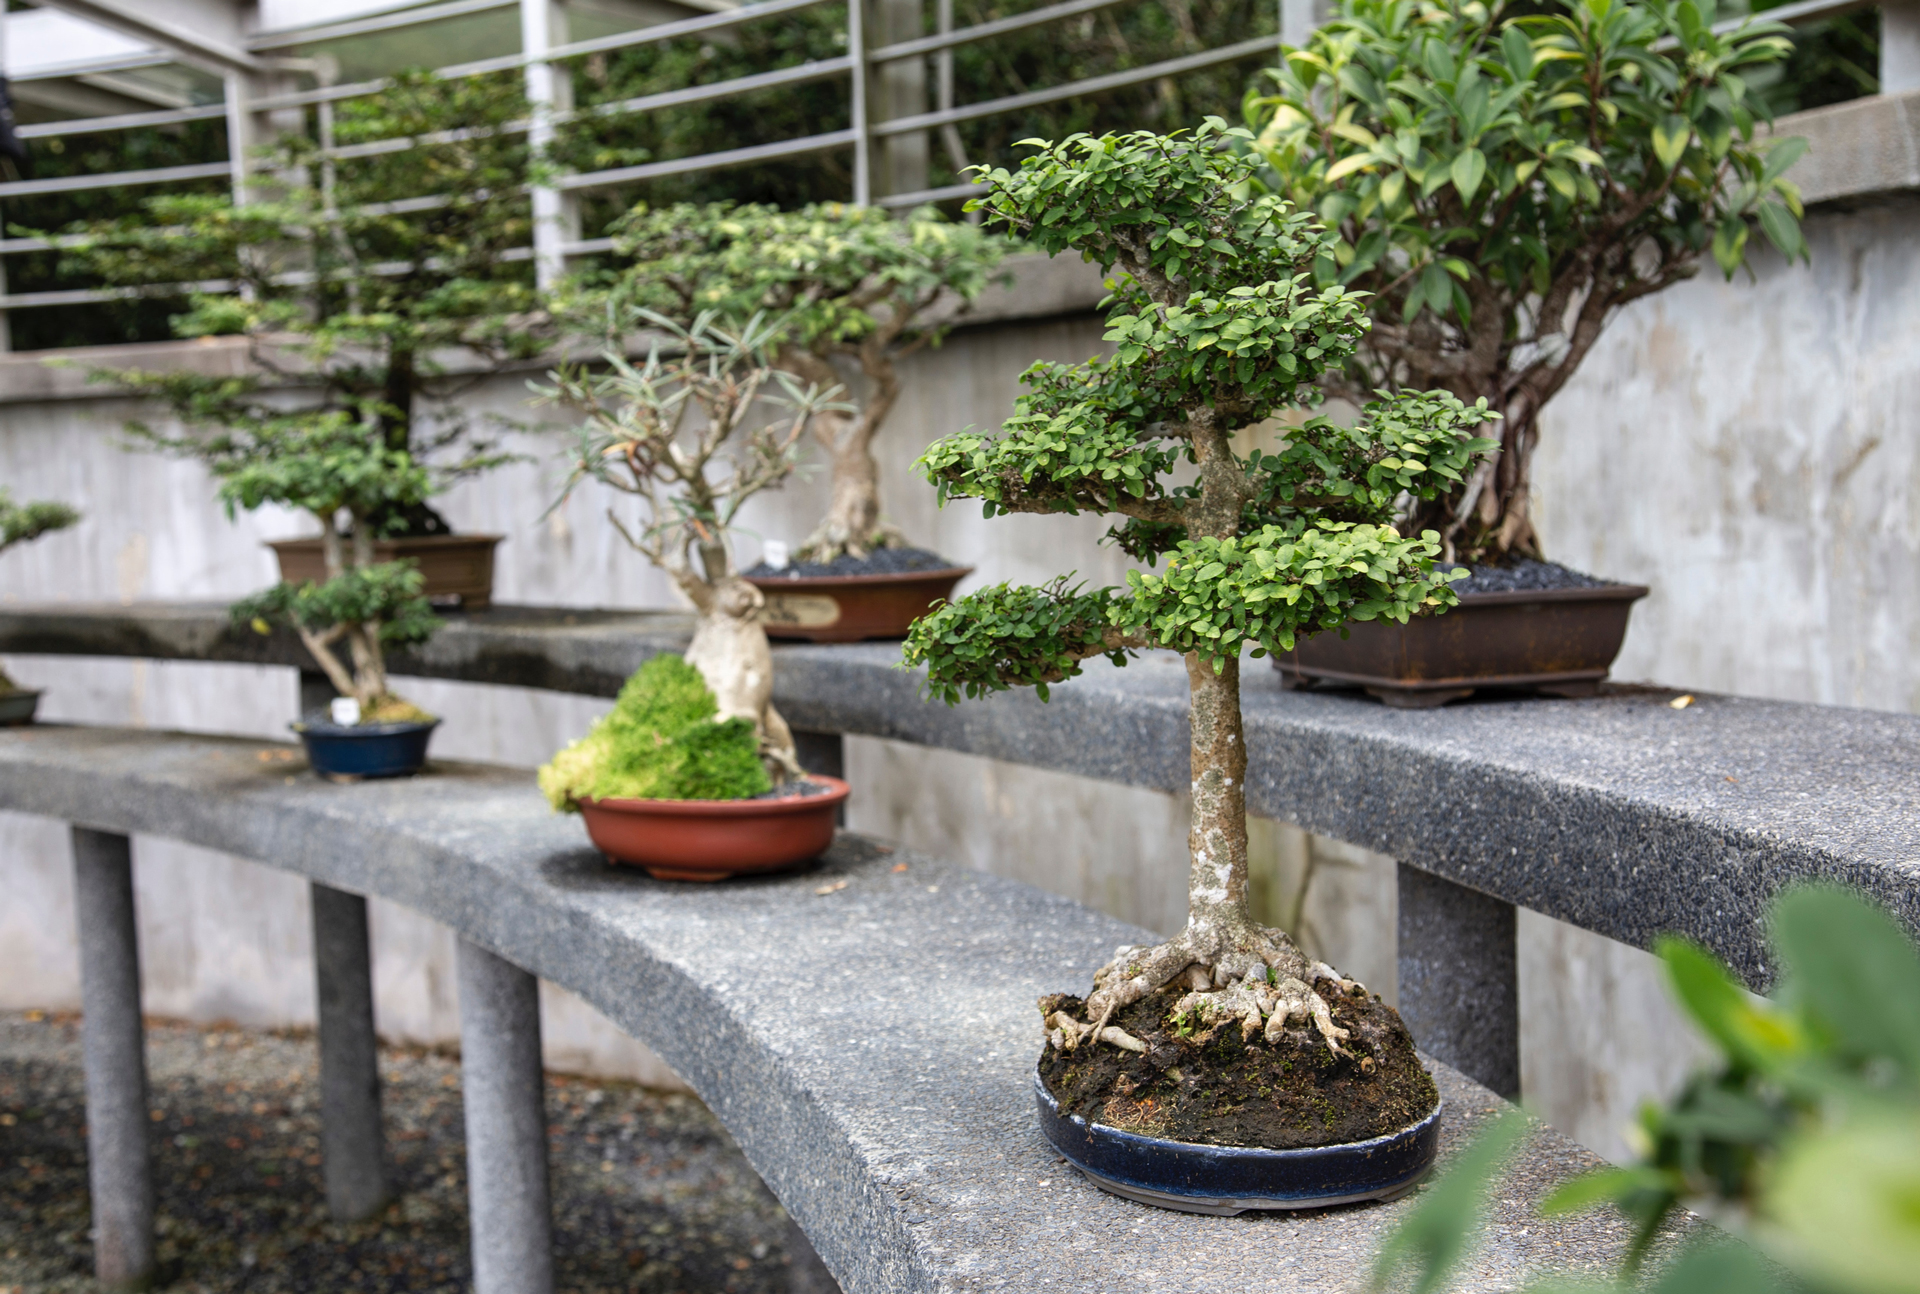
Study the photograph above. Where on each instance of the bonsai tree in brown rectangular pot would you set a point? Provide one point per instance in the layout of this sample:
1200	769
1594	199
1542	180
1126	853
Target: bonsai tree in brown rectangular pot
367	277
703	426
1300	1087
1502	180
22	523
855	292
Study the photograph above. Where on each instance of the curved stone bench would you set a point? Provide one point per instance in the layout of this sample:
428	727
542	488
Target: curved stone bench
1617	813
868	1047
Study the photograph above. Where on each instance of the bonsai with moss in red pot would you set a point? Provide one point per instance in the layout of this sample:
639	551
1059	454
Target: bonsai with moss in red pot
668	783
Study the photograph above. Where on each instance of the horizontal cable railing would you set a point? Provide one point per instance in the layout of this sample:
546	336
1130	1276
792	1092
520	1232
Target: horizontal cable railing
865	132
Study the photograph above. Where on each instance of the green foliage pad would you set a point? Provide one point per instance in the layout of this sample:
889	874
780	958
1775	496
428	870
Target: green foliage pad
659	742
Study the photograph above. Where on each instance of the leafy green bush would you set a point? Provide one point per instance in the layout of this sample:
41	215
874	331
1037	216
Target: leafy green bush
1501	180
1802	1136
661	741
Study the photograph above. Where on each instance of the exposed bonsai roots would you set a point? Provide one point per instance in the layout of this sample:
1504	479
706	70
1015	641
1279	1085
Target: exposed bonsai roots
1250	974
730	650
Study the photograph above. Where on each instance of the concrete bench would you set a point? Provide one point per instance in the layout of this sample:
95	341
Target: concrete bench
870	1047
1618	814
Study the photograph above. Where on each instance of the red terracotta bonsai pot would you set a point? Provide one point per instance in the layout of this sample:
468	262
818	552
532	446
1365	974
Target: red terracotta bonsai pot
457	568
1558	641
849	608
710	840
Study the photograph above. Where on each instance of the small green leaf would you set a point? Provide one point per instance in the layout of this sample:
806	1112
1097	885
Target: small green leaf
1468	170
1670	136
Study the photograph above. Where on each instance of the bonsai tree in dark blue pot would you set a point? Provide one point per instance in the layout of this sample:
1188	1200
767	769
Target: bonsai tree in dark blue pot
1218	327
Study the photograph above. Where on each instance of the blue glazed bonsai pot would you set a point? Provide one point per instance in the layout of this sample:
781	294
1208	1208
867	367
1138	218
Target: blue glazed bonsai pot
1225	1180
352	752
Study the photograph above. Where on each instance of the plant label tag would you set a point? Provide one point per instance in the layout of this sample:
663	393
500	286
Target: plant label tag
344	711
801	610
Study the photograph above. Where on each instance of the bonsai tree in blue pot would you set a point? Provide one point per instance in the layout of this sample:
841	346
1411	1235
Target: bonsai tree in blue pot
336	465
22	523
1218	326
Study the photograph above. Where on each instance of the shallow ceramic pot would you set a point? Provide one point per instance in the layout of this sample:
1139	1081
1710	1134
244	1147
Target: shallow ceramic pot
849	608
458	569
1558	641
354	752
1191	1178
16	707
710	840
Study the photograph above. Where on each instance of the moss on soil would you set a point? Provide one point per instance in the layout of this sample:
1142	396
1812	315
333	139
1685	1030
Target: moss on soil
659	742
1215	1087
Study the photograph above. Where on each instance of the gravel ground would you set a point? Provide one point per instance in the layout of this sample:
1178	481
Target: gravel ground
650	1193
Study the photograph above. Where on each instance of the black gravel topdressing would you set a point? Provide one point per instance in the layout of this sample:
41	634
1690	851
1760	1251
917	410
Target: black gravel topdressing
881	561
649	1192
1526	576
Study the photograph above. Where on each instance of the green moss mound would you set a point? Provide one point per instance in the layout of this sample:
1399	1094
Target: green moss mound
660	741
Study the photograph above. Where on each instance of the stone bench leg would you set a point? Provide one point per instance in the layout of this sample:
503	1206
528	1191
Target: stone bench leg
119	1168
506	1125
824	753
1459	978
352	1146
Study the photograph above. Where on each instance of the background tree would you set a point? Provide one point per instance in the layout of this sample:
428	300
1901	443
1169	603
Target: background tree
336	465
362	276
1502	180
848	286
688	434
1218	326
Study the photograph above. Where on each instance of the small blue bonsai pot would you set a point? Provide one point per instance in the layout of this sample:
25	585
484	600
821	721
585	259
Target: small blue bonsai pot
351	752
17	707
1225	1180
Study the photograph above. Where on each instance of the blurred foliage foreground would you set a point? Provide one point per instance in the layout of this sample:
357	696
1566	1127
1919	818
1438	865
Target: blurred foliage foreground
1802	1138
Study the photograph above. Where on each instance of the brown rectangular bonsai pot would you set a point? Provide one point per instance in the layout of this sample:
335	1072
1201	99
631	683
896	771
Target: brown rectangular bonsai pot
851	608
1558	641
458	568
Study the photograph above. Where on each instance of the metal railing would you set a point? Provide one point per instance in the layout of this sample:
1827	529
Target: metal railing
556	237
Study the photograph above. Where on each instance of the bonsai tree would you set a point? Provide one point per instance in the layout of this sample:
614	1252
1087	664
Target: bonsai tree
22	523
852	288
336	465
1218	326
1502	179
359	278
689	434
664	739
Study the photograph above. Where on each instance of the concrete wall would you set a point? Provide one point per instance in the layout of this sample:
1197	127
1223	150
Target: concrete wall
1745	448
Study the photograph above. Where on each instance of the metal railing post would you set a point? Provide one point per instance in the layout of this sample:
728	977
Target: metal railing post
552	210
119	1164
862	140
1899	46
500	1073
899	89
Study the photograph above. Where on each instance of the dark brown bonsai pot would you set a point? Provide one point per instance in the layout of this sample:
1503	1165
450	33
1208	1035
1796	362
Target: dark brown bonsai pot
850	608
458	568
1557	641
710	840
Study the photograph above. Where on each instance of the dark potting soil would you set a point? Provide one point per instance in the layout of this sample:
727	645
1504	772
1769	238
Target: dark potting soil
1216	1088
881	561
1526	576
